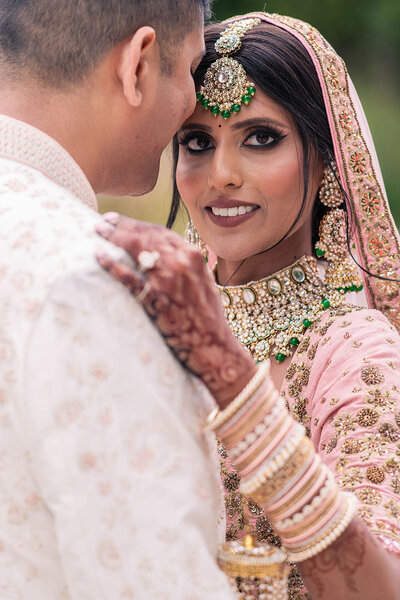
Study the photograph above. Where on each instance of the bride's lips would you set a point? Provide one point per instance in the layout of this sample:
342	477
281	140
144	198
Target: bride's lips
229	213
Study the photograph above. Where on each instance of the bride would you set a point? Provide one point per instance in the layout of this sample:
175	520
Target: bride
277	170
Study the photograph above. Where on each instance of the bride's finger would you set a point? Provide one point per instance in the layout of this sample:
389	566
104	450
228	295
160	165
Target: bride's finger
129	238
133	281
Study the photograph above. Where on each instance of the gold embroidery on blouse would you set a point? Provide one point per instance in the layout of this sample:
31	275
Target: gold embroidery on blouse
372	375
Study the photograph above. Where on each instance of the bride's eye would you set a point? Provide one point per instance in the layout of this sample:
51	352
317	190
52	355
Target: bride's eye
263	138
196	142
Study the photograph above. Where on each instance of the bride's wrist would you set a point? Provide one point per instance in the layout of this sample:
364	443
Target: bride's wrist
233	372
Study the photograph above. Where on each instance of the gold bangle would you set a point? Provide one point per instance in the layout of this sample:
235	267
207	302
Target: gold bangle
319	513
260	447
295	464
301	492
251	421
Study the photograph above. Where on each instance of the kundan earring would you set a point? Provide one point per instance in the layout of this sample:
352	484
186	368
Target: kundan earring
192	236
341	273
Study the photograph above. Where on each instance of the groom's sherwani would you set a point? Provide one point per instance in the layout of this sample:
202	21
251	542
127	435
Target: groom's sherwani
108	488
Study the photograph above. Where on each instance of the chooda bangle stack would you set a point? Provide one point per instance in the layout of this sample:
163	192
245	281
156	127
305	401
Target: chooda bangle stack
280	470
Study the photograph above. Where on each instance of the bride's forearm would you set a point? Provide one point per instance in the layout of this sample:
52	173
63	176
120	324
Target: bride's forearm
334	550
356	566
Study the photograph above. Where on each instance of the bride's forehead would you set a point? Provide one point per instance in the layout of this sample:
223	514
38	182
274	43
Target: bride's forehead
261	107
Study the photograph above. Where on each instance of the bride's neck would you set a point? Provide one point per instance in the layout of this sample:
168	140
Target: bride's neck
262	265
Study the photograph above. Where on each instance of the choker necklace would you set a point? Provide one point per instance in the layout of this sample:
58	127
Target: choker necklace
271	316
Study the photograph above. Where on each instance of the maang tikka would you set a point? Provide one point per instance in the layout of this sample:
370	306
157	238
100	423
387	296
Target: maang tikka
226	86
341	273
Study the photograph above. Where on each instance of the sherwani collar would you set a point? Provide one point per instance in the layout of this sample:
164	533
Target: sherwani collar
26	144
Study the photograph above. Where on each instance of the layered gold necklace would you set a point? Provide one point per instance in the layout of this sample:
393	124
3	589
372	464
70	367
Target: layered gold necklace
271	316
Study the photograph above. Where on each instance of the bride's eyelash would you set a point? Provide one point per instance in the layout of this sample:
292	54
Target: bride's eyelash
185	138
276	134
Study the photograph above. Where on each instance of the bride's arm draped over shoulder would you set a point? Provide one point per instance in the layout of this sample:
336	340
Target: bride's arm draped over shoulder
354	563
179	294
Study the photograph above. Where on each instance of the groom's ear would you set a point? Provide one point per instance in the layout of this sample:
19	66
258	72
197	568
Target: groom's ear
139	65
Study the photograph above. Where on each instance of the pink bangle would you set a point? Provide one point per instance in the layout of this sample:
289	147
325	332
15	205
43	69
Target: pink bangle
246	419
318	526
308	474
286	426
294	508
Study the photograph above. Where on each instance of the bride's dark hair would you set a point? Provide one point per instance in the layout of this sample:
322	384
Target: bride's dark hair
281	67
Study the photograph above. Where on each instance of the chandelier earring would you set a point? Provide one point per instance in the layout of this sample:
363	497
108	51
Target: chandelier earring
192	236
341	273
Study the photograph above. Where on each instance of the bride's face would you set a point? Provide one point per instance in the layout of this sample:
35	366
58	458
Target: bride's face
242	179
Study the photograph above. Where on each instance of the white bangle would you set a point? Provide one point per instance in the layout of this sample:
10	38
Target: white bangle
275	462
258	431
332	536
216	419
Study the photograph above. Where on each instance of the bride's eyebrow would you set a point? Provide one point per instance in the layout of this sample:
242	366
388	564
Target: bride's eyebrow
257	121
196	127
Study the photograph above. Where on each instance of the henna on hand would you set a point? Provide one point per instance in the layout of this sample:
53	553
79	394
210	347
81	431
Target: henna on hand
344	557
181	297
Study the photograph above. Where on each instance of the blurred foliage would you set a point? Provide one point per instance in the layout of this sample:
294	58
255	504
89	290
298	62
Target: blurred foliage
366	33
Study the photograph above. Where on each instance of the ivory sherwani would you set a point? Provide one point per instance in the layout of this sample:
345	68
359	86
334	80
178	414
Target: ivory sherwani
108	488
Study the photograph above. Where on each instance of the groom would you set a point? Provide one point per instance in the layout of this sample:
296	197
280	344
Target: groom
108	489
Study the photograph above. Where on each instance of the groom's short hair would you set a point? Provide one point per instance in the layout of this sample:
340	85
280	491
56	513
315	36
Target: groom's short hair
59	42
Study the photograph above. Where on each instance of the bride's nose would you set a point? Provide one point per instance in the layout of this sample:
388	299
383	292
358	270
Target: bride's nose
225	169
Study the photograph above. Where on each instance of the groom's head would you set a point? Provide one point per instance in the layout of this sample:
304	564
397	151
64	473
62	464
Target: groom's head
127	64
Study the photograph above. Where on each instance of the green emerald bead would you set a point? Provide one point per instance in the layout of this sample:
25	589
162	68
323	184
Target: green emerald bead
226	114
353	288
325	303
235	108
307	323
251	90
294	341
214	110
280	357
205	103
199	96
246	99
360	288
319	252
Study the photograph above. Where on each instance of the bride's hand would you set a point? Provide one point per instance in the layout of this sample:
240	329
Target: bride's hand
176	289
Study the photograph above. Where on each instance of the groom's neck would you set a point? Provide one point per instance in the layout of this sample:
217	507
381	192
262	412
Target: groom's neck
66	115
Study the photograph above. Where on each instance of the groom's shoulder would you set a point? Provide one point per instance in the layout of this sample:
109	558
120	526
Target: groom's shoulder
46	232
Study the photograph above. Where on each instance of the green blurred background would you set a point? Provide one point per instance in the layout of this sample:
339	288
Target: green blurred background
366	33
